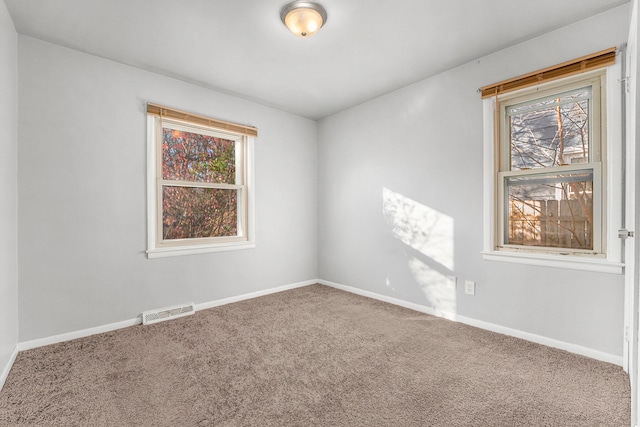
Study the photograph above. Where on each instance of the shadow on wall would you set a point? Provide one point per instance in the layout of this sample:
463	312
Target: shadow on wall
427	235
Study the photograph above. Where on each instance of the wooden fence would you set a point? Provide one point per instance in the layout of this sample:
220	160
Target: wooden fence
551	223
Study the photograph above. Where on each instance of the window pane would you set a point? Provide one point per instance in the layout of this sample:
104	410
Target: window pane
189	212
550	210
201	158
550	132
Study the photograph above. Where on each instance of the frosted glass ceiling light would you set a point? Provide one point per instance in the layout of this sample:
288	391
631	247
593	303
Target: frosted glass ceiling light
303	18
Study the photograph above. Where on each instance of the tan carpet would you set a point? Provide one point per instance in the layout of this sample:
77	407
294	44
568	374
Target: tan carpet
313	356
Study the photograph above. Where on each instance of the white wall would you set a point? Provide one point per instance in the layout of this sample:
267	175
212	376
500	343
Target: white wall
8	190
411	161
82	186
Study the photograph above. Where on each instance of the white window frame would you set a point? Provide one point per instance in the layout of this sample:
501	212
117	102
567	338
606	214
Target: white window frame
606	256
156	246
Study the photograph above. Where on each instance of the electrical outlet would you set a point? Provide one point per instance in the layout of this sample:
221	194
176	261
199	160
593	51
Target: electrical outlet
469	287
451	282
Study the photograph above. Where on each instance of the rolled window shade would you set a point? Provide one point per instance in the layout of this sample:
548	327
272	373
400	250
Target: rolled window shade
594	61
170	113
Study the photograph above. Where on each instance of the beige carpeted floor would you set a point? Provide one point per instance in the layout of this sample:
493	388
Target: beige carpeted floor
313	356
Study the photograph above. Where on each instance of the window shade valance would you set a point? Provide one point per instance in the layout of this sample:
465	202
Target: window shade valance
580	65
170	113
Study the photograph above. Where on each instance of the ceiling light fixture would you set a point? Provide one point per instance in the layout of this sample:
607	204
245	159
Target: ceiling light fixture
303	18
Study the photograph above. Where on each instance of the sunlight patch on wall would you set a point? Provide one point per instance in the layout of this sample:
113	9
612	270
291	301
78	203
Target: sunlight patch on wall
430	233
426	230
434	286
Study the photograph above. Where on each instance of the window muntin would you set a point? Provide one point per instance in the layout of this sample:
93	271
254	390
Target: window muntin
549	180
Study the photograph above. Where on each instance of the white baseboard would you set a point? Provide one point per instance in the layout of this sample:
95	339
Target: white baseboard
54	339
217	303
539	339
550	342
41	342
7	368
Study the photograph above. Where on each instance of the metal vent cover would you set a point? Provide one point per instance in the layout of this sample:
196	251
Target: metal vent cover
162	314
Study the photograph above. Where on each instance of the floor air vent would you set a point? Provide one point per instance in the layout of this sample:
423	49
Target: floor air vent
155	316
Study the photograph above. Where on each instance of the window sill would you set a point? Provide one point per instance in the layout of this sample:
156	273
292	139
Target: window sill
200	249
556	261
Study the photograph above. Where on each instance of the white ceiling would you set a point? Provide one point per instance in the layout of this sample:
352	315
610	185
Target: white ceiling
367	47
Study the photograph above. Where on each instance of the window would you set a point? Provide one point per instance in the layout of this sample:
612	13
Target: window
549	169
552	166
199	184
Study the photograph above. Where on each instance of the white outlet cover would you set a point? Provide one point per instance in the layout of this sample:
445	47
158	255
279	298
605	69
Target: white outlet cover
469	287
